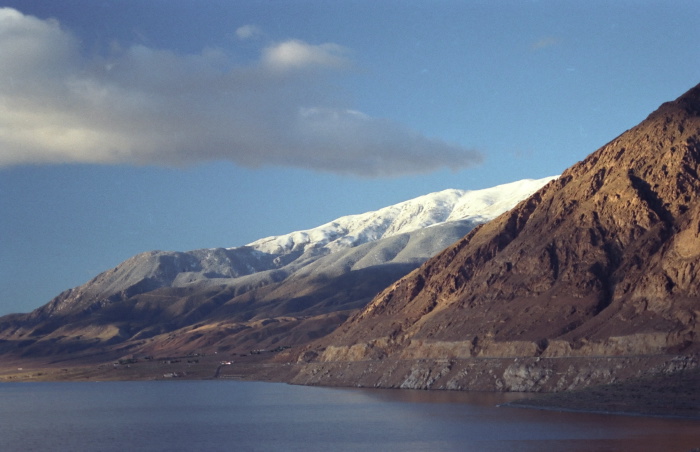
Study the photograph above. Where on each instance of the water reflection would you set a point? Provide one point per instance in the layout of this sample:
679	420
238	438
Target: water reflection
218	415
418	396
481	418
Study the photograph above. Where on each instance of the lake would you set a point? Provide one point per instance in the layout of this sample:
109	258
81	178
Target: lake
254	416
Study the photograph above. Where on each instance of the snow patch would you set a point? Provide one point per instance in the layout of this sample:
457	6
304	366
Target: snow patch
444	206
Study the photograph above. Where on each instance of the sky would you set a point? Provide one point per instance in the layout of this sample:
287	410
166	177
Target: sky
128	126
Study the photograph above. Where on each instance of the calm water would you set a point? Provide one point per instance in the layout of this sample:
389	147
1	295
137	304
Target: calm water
242	416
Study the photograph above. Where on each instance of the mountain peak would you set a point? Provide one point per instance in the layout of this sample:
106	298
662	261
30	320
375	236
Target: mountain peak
601	261
689	101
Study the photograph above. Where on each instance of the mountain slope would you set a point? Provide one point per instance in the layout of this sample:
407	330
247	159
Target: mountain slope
601	262
477	206
304	275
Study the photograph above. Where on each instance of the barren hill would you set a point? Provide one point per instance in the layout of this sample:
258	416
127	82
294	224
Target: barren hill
602	262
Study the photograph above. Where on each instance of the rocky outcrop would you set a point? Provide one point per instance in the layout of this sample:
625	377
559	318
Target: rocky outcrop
489	374
601	262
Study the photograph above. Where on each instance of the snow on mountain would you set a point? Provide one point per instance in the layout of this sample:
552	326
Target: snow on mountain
421	212
405	235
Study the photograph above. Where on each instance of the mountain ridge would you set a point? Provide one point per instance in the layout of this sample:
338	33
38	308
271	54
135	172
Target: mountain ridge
600	262
336	267
155	269
407	216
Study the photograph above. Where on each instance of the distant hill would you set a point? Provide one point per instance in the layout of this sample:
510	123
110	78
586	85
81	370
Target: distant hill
283	290
571	287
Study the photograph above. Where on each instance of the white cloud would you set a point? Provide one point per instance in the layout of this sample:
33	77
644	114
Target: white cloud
248	32
347	141
296	54
148	106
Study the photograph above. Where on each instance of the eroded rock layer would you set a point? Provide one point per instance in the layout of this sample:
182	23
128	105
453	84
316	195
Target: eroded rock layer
600	262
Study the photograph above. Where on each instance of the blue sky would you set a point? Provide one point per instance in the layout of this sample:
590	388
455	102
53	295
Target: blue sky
128	126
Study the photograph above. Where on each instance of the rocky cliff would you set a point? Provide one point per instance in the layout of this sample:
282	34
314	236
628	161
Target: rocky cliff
602	262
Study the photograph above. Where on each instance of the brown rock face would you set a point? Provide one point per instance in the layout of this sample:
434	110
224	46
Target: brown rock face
602	261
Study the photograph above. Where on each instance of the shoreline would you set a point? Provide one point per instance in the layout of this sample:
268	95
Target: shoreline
516	404
675	396
665	396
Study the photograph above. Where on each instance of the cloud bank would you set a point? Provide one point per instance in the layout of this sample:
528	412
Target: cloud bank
146	106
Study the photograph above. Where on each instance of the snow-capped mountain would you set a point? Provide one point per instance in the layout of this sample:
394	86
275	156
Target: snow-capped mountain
479	206
405	234
307	278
